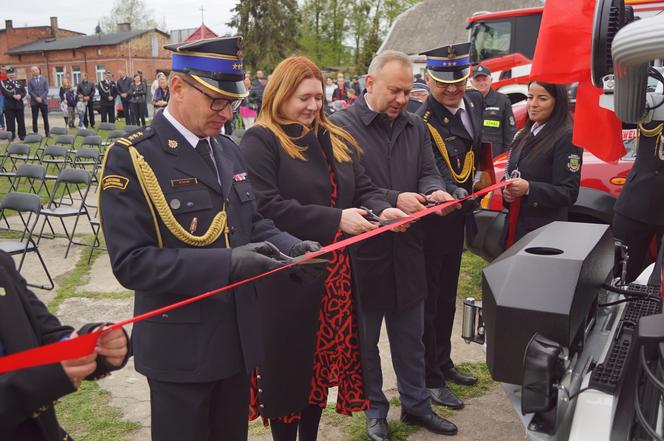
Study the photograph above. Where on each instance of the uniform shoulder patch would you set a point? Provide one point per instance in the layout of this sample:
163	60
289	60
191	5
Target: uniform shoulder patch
114	181
574	163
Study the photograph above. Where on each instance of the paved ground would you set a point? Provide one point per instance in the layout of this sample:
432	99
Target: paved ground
485	418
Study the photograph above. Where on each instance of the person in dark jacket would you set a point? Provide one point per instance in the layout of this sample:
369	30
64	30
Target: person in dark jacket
108	91
309	181
38	91
418	95
499	126
124	87
205	233
545	163
639	211
86	91
389	268
14	92
27	410
454	121
137	96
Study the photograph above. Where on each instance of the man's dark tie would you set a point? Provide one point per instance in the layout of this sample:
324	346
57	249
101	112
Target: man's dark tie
203	149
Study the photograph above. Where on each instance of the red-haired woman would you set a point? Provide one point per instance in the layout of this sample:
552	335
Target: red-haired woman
309	181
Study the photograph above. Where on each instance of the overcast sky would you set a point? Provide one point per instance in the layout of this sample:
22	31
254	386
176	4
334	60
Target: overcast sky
82	15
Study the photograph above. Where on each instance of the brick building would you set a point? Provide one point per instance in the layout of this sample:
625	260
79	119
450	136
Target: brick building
60	52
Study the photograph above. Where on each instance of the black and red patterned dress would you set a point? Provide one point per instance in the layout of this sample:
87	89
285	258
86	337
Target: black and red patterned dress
305	198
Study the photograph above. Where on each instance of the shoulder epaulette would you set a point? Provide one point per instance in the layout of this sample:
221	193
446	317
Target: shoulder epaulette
136	137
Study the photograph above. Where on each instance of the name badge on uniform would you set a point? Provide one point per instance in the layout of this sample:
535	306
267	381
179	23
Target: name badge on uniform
183	182
491	123
240	177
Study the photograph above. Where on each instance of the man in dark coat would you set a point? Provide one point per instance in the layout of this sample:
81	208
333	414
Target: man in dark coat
174	199
38	91
86	90
28	395
454	121
107	93
14	92
124	88
639	213
499	126
418	95
389	268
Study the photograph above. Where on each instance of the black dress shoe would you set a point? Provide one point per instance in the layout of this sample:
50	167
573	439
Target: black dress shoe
445	397
377	429
432	422
454	375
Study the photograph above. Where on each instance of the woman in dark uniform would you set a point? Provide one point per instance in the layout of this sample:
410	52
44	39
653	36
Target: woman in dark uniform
544	163
307	178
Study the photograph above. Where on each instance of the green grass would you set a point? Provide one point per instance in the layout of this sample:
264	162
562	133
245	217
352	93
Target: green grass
357	429
87	416
470	276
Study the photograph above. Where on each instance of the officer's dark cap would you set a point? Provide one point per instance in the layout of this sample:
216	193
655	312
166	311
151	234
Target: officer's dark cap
215	63
480	70
449	64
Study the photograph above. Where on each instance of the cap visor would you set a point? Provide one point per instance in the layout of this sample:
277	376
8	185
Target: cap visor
231	89
449	76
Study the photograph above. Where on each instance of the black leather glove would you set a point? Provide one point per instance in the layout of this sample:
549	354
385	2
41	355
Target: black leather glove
252	259
459	193
301	248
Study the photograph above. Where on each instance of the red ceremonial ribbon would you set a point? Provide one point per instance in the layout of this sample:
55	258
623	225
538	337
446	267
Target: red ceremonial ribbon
85	344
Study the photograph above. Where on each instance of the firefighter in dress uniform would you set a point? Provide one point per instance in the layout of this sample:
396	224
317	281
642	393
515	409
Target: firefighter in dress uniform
180	219
108	91
454	119
639	211
14	92
498	127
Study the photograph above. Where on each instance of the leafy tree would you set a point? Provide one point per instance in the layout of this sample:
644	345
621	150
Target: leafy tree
270	29
133	12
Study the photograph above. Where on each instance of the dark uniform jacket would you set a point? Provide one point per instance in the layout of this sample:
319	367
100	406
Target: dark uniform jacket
642	197
207	340
9	88
499	126
457	139
27	396
389	268
554	177
107	89
296	195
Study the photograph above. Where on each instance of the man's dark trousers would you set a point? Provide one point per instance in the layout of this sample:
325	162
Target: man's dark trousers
91	113
15	119
176	408
443	253
107	113
404	330
125	110
36	108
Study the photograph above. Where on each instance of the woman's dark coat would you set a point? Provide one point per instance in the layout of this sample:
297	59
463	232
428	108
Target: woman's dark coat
296	195
553	176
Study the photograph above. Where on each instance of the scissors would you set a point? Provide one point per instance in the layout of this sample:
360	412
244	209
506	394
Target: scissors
372	217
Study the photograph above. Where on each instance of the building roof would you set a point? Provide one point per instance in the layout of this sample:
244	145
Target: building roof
57	44
201	33
428	25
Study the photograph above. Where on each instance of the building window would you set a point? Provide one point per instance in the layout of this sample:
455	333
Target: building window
155	47
75	75
100	72
59	75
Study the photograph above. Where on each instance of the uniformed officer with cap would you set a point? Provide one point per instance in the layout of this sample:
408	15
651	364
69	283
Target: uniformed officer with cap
108	91
179	216
454	119
418	94
14	92
498	127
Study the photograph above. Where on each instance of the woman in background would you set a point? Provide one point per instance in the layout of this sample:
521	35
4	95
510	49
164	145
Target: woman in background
137	95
